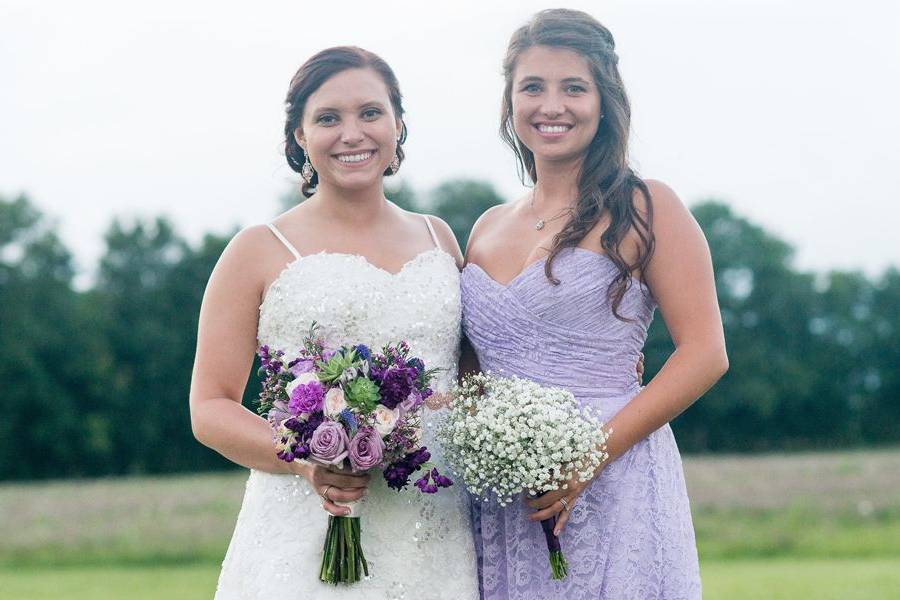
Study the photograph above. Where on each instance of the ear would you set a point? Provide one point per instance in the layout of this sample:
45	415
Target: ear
399	123
300	138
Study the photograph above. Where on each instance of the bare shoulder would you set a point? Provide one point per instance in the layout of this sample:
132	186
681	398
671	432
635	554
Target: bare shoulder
487	221
447	239
246	258
664	200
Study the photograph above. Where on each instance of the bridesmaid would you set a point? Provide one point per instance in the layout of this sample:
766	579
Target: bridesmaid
560	287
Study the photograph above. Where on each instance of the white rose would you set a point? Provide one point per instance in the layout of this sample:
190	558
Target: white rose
303	379
385	419
334	401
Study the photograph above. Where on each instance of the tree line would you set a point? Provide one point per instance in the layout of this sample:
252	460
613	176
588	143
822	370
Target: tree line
95	382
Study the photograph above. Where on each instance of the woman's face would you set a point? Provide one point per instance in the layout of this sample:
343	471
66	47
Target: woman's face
349	130
555	103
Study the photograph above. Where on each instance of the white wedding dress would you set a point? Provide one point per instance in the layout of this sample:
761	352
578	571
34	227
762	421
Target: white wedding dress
418	546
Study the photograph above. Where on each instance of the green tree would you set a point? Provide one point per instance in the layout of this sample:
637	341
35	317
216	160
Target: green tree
49	356
460	202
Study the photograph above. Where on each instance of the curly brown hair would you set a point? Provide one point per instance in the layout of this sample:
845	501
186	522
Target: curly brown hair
310	77
606	183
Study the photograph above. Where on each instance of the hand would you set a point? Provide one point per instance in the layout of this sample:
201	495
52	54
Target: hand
549	504
640	369
334	485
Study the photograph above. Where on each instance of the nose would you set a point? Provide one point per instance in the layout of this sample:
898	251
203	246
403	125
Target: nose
552	106
351	134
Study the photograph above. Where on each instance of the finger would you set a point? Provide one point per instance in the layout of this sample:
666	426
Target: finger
546	513
338	511
544	501
561	521
342	480
346	495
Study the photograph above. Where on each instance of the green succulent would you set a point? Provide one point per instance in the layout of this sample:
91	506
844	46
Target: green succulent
332	369
361	394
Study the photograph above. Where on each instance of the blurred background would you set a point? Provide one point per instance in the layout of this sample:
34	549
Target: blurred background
137	138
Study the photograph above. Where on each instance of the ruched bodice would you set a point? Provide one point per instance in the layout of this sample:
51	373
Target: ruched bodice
560	335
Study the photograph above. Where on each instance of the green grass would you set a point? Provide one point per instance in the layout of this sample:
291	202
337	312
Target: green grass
813	525
772	579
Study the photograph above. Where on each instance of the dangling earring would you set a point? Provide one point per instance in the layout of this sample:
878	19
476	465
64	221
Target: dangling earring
307	171
395	164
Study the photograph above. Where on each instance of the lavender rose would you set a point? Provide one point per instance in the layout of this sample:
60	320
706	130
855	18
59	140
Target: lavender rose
366	449
329	443
301	366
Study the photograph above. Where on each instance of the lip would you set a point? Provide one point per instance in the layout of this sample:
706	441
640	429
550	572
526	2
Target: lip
554	134
355	165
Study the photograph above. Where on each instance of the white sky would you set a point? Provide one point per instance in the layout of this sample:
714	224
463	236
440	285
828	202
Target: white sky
787	110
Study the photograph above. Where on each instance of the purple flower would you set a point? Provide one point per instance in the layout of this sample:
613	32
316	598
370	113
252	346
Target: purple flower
366	449
298	367
437	481
397	475
412	401
418	458
329	443
417	364
396	386
363	351
307	398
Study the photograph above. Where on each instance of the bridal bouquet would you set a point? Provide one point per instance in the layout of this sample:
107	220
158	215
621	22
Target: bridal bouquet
506	435
354	409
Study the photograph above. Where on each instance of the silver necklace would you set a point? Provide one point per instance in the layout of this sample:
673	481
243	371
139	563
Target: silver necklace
541	222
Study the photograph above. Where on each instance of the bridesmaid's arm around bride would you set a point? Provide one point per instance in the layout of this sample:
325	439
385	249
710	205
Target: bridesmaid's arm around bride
226	345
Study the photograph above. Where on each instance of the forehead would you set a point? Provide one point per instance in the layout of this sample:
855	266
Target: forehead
551	63
350	88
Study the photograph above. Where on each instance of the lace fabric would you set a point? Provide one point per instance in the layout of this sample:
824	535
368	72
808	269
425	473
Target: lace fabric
418	546
630	535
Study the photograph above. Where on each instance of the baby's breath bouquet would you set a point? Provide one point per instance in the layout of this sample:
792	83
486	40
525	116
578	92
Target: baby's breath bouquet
507	435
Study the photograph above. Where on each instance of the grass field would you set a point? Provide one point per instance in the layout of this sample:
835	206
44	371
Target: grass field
792	526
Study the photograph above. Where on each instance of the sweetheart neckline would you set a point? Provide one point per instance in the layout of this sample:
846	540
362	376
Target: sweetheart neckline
528	268
360	257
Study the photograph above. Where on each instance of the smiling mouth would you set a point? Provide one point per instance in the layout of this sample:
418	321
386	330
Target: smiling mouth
355	158
552	129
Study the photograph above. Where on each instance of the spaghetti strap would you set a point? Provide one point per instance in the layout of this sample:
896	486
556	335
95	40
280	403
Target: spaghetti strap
283	240
434	237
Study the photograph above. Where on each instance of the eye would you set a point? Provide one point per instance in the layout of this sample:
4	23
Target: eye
370	114
532	88
327	119
575	89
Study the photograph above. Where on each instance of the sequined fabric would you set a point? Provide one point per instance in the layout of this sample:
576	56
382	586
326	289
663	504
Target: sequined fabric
630	535
418	546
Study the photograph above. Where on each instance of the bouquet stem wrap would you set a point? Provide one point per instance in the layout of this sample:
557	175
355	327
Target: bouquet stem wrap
558	565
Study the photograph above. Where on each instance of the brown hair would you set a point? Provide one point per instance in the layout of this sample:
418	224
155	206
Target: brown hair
606	182
310	77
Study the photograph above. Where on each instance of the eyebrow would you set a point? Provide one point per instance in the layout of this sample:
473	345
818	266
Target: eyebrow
535	78
373	103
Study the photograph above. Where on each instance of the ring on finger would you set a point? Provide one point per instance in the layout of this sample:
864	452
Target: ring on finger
565	503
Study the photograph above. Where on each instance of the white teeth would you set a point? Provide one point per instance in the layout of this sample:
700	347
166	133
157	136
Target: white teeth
352	158
553	128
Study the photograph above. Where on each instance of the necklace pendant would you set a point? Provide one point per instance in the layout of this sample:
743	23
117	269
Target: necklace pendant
539	225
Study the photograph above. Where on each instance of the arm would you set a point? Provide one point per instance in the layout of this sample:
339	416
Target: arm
226	344
681	277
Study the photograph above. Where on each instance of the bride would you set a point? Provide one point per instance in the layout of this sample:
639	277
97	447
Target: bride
367	272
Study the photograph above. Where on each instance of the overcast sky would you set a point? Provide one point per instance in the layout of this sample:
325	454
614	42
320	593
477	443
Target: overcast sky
786	110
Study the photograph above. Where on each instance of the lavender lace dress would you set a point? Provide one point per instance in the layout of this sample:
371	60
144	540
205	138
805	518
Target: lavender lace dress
630	536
